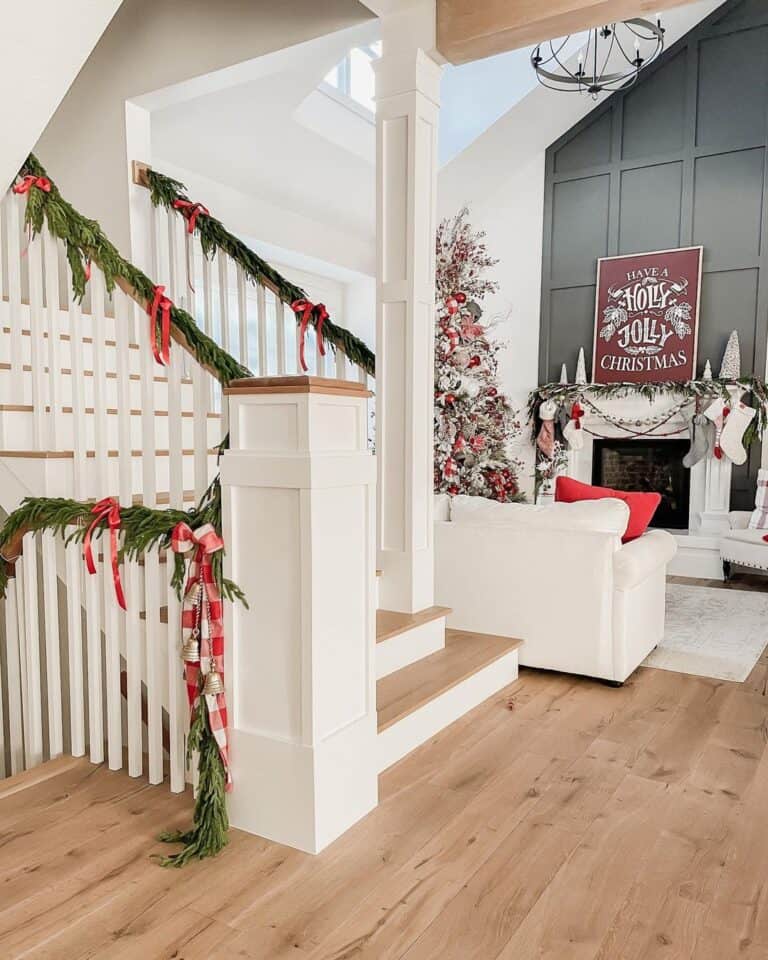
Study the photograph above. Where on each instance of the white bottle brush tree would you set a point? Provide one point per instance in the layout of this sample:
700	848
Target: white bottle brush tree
474	421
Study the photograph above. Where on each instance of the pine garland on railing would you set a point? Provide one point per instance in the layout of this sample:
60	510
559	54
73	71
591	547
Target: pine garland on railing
213	235
141	529
566	394
85	242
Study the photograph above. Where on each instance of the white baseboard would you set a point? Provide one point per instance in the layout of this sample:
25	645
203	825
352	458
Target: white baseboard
416	728
408	647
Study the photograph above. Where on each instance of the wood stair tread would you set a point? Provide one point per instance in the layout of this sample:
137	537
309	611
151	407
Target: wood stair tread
465	653
39	774
389	623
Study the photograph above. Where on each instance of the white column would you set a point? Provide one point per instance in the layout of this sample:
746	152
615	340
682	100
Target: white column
407	113
299	526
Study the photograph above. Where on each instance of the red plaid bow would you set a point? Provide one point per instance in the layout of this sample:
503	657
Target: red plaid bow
161	352
191	211
307	309
205	542
26	183
107	509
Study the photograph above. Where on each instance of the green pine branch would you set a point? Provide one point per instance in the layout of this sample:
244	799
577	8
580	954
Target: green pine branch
85	241
214	236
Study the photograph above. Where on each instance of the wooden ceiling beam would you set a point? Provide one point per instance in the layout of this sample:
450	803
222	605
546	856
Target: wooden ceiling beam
473	29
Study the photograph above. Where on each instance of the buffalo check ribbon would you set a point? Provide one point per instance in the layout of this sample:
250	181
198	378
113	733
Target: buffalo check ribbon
204	542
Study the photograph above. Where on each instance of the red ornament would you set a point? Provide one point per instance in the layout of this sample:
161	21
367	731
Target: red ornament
451	305
474	361
449	399
492	391
453	489
460	297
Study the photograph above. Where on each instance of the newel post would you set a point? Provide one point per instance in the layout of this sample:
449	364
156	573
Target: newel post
299	518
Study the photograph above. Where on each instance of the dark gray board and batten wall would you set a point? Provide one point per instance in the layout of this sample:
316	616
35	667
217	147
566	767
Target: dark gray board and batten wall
680	159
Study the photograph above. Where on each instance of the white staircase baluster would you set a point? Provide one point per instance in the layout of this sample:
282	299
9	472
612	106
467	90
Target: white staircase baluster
242	315
280	335
341	364
200	421
38	349
177	697
74	561
3	770
79	423
261	329
14	207
112	617
149	393
52	656
101	486
223	299
124	332
33	711
53	310
13	625
93	641
154	662
133	668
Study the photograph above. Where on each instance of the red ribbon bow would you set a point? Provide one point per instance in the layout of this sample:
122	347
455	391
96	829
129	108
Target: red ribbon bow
308	309
107	509
576	414
191	211
26	184
205	542
162	354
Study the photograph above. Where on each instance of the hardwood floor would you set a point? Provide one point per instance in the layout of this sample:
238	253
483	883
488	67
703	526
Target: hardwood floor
584	823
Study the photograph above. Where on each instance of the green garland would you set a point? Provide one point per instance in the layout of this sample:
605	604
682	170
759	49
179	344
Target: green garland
141	529
566	394
85	241
214	236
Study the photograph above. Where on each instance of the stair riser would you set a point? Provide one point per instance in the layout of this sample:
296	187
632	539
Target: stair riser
54	478
9	393
408	647
17	431
398	740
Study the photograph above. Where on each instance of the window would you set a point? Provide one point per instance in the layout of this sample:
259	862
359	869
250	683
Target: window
354	77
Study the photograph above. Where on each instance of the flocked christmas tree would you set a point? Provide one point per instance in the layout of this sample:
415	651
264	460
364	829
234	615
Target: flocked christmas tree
474	421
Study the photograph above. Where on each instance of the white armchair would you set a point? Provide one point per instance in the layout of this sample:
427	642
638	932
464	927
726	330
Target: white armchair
557	577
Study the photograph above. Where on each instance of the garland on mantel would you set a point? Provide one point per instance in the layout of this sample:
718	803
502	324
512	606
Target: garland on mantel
141	529
85	242
566	394
214	236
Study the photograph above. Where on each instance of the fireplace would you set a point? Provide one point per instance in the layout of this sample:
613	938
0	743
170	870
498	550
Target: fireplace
647	465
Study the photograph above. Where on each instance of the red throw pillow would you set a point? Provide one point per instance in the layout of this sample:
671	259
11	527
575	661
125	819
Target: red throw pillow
642	506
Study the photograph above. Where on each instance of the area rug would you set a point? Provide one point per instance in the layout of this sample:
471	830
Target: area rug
712	632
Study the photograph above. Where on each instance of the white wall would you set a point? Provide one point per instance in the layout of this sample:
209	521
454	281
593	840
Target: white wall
500	176
151	45
42	48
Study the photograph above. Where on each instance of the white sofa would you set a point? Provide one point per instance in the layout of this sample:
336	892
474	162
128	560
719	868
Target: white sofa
557	577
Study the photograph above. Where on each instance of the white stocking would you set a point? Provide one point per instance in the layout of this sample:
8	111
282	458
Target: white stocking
734	429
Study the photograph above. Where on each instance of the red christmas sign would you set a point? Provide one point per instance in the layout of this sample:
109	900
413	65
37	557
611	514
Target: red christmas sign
646	316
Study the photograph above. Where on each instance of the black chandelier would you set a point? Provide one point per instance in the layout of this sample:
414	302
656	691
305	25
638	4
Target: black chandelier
613	57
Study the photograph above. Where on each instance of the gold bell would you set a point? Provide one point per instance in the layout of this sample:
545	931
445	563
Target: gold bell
213	684
190	650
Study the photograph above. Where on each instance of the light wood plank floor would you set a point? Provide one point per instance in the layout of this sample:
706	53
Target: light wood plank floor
563	820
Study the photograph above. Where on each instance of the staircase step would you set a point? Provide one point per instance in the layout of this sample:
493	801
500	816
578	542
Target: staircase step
403	638
418	701
111	411
39	774
91	454
110	375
